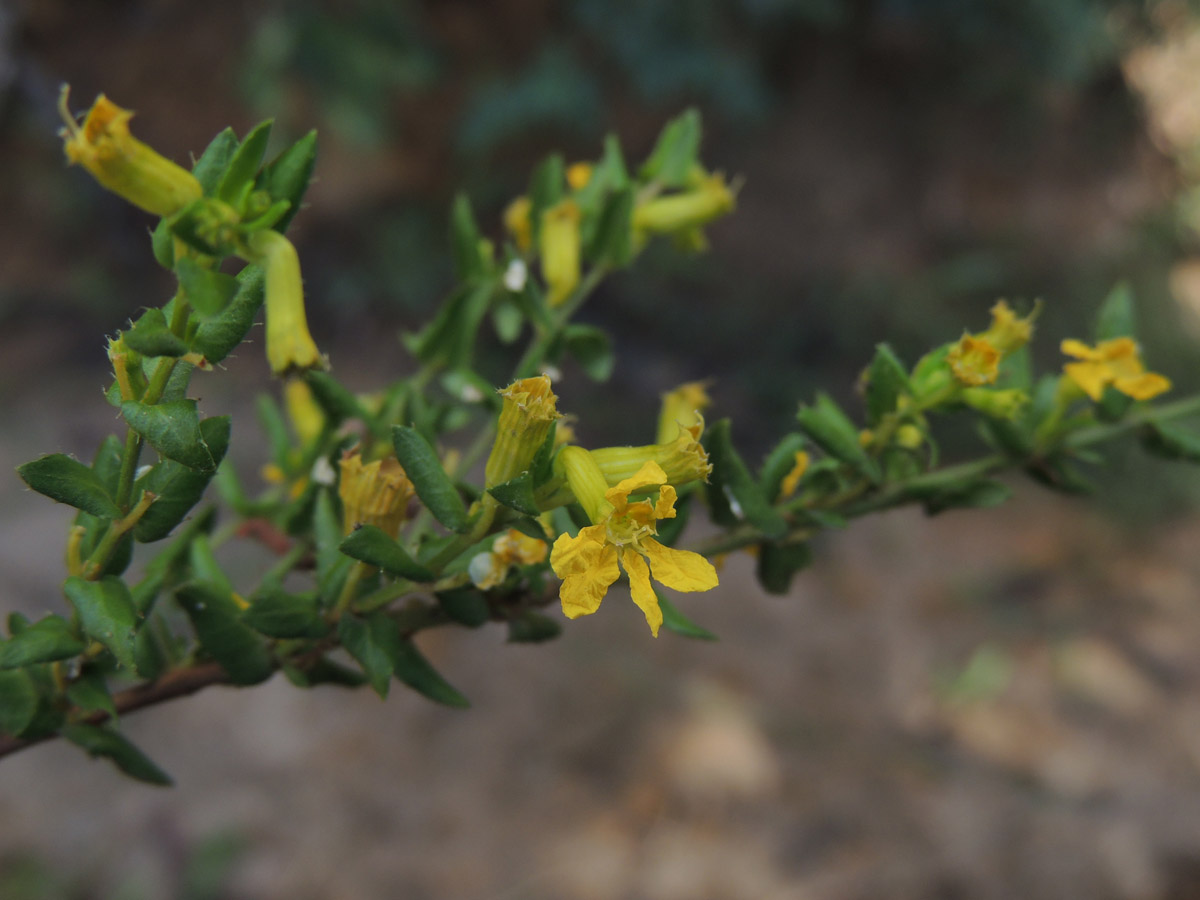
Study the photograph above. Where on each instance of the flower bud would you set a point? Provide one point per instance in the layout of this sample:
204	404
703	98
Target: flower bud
974	361
1004	404
682	459
1008	333
578	175
526	415
376	493
709	200
512	548
290	347
681	409
123	164
560	247
517	221
305	413
585	480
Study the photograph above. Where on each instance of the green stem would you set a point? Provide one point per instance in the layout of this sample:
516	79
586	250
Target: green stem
94	567
532	360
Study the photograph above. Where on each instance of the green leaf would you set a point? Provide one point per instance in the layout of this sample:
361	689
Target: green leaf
415	671
674	620
517	494
332	564
778	563
106	614
1170	442
779	462
162	244
335	400
466	606
979	493
363	639
179	488
449	340
203	565
216	338
676	152
273	423
215	160
69	481
89	692
101	741
46	640
732	492
612	243
287	176
173	429
1116	316
243	164
232	643
158	569
372	545
150	336
887	381
831	430
531	627
432	484
209	292
325	671
591	348
465	239
18	701
278	614
546	187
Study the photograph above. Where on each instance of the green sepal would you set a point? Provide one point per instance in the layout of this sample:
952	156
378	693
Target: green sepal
173	429
89	693
178	488
209	292
46	640
18	702
731	482
215	160
415	671
981	493
466	606
286	177
243	164
465	239
531	627
268	218
150	335
517	494
372	545
1116	317
221	632
106	614
831	430
216	338
432	484
69	481
676	153
98	741
1170	442
779	462
365	640
612	242
334	398
887	381
677	622
778	563
279	614
591	348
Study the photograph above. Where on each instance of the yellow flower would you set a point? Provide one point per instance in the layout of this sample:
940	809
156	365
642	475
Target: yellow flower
622	536
681	409
376	493
791	480
974	361
1008	332
527	412
710	199
578	175
513	548
683	459
1117	362
123	164
290	347
305	413
516	220
560	248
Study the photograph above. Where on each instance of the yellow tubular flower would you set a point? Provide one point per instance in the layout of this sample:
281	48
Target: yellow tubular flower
512	548
305	413
516	220
791	480
974	361
681	409
377	493
123	164
578	175
621	536
682	459
290	347
528	411
1008	332
709	200
560	250
1117	362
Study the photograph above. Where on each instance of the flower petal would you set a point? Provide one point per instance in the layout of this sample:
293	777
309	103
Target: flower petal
682	570
1143	387
1090	376
641	590
572	555
581	593
649	474
665	507
1078	349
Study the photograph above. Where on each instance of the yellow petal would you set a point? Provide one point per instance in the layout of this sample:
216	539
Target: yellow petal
648	475
665	508
572	555
1090	376
681	570
1143	387
641	590
1078	349
581	594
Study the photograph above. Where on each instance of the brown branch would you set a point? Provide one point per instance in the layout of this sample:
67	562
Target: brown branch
175	684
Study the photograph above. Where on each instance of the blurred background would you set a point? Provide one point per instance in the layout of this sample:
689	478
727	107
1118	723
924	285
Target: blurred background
990	705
